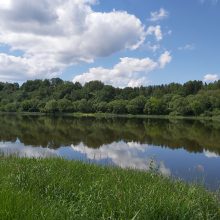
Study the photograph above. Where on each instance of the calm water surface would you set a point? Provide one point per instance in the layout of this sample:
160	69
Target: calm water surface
185	149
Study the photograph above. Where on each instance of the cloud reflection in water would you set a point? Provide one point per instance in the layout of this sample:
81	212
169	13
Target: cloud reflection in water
18	149
125	155
122	154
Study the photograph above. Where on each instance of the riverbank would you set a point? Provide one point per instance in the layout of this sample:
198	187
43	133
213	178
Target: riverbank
110	115
59	189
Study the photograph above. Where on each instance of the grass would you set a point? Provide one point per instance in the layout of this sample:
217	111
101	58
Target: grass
59	189
111	115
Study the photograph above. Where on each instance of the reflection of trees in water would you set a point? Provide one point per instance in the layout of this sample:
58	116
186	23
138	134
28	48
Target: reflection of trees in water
54	132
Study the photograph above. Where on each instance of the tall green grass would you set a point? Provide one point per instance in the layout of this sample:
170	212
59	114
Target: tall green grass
59	189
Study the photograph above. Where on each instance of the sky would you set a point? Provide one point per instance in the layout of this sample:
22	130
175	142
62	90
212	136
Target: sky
120	42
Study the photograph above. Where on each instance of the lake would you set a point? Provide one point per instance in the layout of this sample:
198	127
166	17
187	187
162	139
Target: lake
186	149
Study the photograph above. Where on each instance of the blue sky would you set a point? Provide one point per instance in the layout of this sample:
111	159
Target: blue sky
121	42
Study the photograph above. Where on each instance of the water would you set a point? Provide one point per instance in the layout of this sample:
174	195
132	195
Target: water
186	149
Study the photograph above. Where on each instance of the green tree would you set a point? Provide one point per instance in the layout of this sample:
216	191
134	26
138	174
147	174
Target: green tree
51	106
107	94
192	87
117	107
29	106
199	104
82	106
154	106
101	107
136	105
64	105
11	107
180	106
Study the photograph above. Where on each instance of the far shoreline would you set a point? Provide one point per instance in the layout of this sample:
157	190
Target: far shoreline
110	115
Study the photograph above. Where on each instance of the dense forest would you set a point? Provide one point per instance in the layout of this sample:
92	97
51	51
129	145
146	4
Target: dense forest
193	98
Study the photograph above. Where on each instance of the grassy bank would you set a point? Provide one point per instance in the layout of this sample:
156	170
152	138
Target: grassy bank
110	115
58	189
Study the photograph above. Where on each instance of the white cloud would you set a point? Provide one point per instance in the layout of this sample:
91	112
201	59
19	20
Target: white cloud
187	47
156	31
210	77
17	68
128	72
164	59
159	15
5	4
56	34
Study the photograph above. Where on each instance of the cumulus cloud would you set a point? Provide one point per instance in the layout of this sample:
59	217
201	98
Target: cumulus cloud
210	77
53	35
130	72
5	4
14	68
159	15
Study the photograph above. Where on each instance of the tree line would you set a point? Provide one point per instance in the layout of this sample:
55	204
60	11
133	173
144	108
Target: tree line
193	98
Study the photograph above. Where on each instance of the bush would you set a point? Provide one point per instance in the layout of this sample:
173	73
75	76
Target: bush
136	105
11	107
117	107
29	106
51	107
64	105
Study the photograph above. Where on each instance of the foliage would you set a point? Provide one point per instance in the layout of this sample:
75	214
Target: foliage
51	106
154	106
193	98
136	105
117	107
